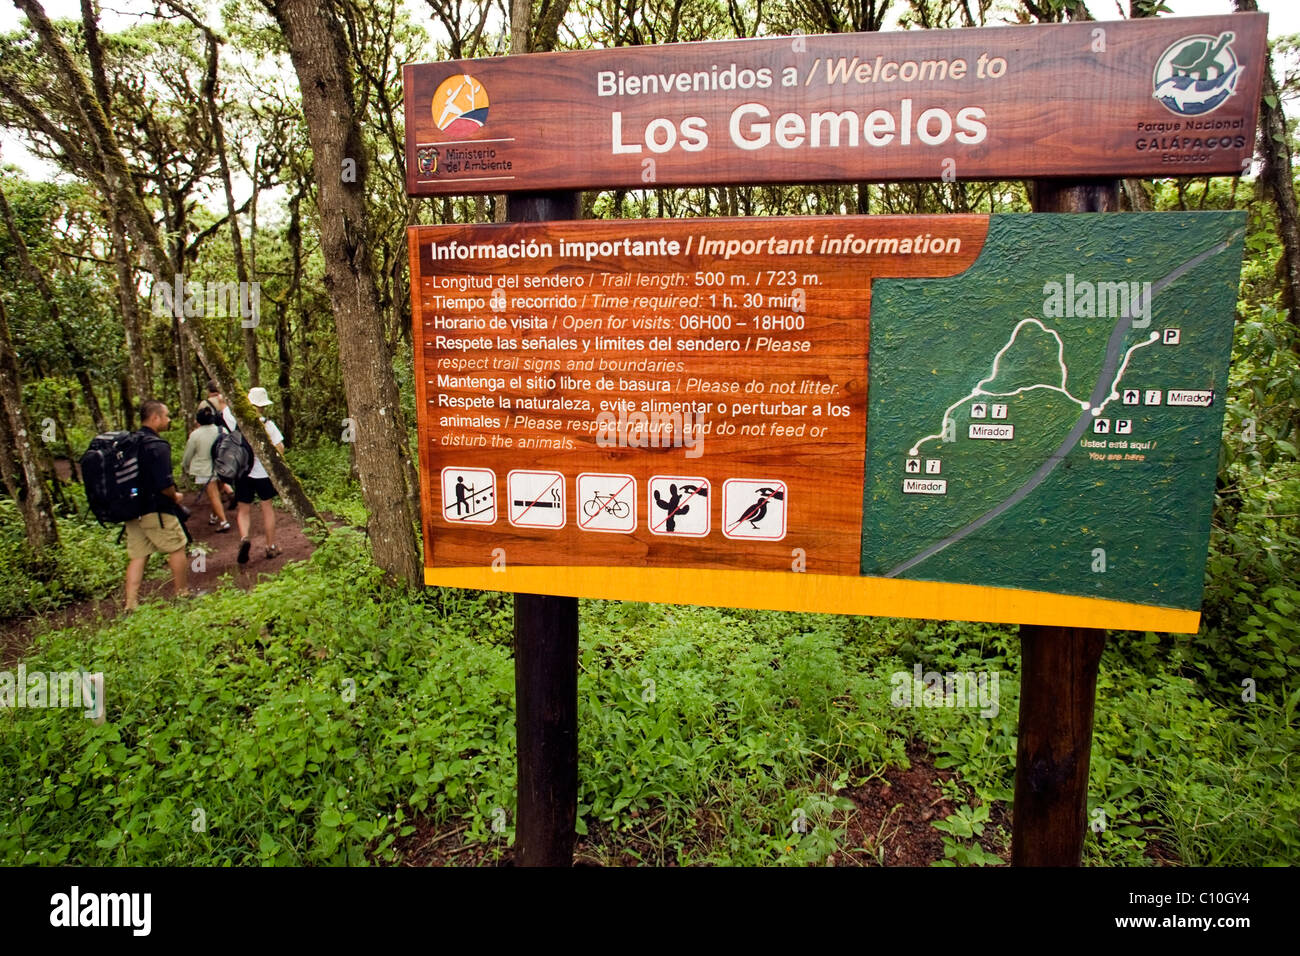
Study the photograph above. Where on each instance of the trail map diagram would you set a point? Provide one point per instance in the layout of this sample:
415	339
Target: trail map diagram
1050	419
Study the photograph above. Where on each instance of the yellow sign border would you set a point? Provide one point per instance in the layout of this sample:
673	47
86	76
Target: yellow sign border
821	593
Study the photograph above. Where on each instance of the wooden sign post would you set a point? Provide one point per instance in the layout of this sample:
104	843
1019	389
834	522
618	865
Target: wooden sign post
546	675
1058	674
678	410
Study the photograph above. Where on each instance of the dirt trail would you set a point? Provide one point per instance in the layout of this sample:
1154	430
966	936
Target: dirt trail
220	551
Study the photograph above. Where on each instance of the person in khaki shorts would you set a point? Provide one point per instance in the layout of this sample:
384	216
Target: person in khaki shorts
160	529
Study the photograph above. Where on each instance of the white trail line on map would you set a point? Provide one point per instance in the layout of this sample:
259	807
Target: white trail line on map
1114	386
979	389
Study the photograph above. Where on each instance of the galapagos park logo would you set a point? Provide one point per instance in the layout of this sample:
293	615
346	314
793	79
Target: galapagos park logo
1196	74
460	106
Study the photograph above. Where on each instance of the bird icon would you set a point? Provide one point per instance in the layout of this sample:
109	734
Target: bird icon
758	510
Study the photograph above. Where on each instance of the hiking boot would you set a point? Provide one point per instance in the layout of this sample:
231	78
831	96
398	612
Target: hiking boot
272	551
244	547
223	527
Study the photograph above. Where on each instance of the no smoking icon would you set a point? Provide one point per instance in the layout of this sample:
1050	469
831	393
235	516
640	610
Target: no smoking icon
536	499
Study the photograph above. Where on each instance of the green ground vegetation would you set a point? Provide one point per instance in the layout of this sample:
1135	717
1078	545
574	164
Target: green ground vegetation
318	718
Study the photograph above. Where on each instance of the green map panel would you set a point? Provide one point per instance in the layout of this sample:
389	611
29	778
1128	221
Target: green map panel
1055	411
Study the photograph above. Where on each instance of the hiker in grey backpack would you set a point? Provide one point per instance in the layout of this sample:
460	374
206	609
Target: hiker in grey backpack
199	465
160	528
258	484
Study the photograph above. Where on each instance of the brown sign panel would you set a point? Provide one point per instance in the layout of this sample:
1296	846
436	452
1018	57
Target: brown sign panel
1137	97
571	377
678	411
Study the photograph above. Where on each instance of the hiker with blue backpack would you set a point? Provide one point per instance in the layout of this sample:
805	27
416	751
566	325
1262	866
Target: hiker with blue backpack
160	526
128	481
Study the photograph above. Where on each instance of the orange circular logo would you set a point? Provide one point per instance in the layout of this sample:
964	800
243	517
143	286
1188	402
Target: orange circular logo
460	105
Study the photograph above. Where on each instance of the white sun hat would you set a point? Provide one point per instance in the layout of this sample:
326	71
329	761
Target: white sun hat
257	396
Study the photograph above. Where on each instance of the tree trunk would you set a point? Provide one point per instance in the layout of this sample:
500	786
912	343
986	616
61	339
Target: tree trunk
340	161
251	358
126	291
140	375
292	298
188	391
38	518
11	472
126	399
521	22
284	378
1135	192
92	402
1275	149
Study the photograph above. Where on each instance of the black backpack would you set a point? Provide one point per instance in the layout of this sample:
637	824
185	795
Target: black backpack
110	469
232	455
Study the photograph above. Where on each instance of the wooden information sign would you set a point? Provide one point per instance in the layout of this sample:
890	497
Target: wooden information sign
1011	418
679	411
1160	96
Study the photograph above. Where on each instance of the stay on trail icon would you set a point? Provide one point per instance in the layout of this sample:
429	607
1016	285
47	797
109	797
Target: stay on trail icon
469	495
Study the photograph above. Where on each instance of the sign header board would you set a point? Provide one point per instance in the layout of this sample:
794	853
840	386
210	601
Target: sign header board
1012	418
1158	96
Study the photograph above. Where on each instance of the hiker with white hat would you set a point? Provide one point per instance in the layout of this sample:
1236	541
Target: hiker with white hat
258	484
